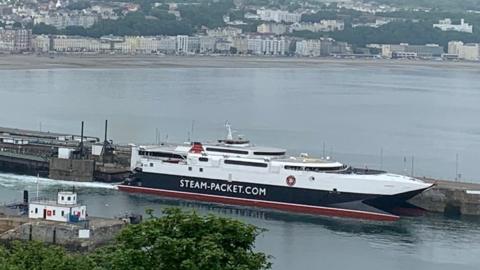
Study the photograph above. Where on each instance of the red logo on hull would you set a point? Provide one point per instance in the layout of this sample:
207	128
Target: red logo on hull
291	180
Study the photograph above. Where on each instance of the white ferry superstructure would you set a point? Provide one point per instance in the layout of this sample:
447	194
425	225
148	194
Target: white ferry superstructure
232	171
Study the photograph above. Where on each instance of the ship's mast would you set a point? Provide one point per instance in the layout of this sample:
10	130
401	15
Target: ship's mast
229	131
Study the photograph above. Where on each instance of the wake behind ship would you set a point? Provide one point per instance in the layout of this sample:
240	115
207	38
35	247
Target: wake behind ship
233	171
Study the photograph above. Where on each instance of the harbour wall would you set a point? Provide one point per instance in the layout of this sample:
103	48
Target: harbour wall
72	169
72	236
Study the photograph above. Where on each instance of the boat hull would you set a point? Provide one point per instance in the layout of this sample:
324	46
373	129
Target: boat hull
284	198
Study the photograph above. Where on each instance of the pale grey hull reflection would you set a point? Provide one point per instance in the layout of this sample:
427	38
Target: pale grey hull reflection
367	115
300	241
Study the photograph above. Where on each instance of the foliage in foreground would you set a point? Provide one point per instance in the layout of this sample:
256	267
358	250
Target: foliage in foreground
176	241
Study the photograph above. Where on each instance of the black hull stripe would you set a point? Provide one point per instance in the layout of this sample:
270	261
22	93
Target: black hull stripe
290	207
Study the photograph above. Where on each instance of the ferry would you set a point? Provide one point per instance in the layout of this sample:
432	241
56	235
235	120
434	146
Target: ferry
233	171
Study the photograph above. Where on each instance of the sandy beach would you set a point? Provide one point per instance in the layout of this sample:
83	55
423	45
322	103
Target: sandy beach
12	62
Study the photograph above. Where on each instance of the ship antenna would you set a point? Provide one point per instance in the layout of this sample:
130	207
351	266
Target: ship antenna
229	131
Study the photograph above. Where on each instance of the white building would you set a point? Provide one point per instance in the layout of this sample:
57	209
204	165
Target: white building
75	44
405	50
469	51
207	44
41	43
278	15
223	46
267	45
65	209
15	40
446	25
61	21
224	32
322	26
271	28
193	44
167	44
309	47
241	44
376	24
454	47
182	44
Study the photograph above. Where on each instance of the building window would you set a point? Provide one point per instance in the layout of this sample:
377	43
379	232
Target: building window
203	159
201	169
63	198
36	210
54	212
63	213
151	164
69	198
189	168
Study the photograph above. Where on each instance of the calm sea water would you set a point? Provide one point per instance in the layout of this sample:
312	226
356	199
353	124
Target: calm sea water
379	117
363	115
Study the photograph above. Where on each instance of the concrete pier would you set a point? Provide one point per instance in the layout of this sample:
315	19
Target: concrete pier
62	156
450	198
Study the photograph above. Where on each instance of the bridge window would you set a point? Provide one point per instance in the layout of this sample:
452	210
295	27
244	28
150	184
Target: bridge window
229	151
246	163
313	169
269	153
160	154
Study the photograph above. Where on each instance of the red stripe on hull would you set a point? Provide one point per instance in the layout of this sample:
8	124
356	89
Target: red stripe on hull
315	210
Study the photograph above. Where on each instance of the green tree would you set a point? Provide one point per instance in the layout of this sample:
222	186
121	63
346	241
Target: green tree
209	14
185	241
79	5
42	28
37	256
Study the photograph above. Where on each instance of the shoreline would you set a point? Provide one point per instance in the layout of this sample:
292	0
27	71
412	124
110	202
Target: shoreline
34	62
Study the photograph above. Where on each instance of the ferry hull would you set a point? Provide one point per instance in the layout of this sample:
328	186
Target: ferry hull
284	198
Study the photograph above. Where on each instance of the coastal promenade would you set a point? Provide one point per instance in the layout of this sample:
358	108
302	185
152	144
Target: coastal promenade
12	62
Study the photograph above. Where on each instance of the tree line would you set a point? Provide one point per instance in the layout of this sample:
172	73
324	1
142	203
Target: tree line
151	21
394	33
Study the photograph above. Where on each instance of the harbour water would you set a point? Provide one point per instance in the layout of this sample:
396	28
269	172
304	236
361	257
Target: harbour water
373	116
366	115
